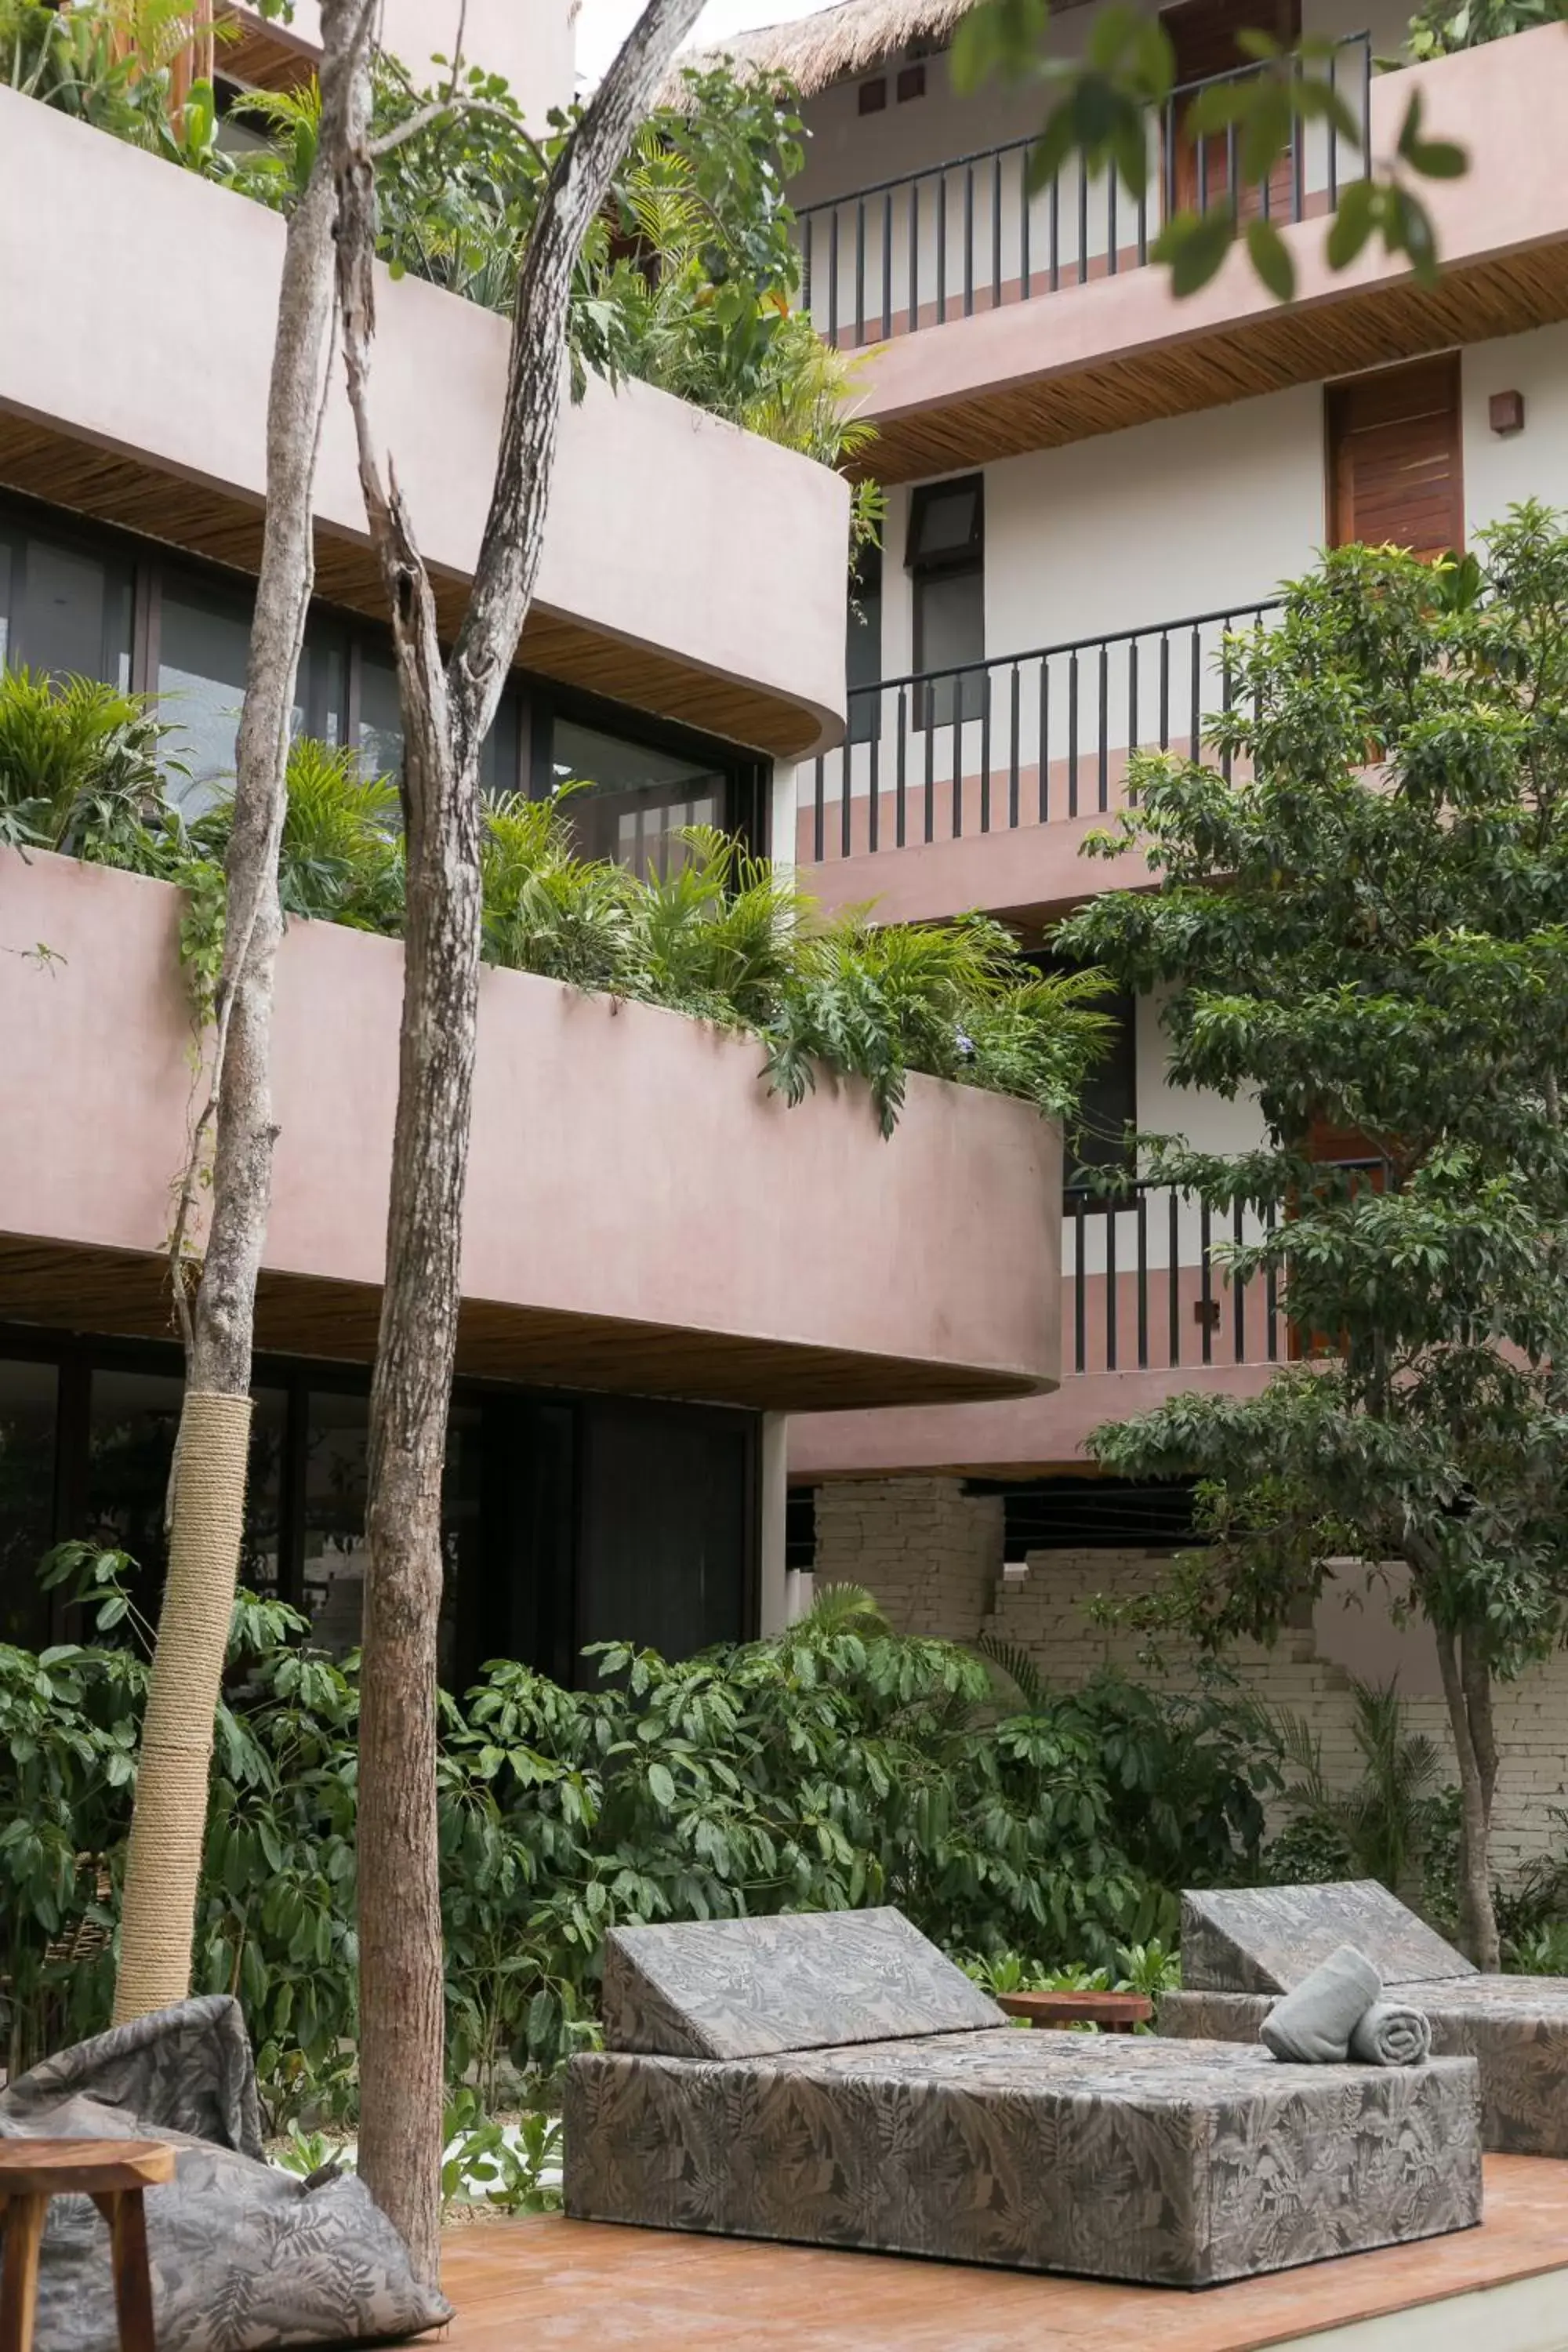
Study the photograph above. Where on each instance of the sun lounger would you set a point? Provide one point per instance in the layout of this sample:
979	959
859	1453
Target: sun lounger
832	2079
1241	1948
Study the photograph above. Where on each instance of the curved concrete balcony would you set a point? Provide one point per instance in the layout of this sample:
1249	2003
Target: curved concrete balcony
133	388
643	1215
1149	1310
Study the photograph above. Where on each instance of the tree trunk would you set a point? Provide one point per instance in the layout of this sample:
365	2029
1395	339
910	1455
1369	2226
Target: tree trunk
207	1484
1467	1687
445	716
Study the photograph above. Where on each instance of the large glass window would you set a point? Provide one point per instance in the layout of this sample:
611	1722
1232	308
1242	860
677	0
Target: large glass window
204	644
28	1411
636	800
379	736
664	1543
945	557
132	1421
63	609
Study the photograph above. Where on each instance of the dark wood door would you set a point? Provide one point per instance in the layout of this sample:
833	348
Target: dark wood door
1200	173
1395	470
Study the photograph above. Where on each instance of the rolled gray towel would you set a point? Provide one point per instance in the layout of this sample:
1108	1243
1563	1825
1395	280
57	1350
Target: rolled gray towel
1389	2035
1313	2026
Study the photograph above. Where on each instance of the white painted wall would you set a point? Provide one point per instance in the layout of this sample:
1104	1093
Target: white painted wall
1499	471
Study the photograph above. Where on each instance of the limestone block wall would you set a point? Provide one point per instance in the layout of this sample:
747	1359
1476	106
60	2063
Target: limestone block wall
932	1556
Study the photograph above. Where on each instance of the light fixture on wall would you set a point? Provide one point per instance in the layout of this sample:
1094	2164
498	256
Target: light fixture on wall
1505	412
1014	1571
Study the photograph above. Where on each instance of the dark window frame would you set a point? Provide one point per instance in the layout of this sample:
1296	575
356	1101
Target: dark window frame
953	697
539	700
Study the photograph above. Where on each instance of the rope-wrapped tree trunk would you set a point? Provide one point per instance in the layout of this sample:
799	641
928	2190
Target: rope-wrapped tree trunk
448	711
207	1485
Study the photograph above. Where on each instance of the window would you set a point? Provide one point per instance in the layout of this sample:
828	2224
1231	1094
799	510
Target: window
945	558
27	1415
636	799
378	735
63	607
1109	1103
204	644
665	1541
873	99
863	647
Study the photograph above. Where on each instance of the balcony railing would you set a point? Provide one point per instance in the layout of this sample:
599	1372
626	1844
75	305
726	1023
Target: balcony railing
1150	1287
972	234
1026	739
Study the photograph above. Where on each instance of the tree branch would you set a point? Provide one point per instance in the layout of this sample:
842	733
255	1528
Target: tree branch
514	530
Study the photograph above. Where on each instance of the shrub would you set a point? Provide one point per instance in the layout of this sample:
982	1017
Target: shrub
80	769
838	1766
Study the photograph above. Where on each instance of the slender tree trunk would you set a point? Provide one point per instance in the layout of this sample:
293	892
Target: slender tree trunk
207	1485
1467	1687
445	716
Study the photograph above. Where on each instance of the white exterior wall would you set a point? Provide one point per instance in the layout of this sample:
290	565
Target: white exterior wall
531	42
932	1556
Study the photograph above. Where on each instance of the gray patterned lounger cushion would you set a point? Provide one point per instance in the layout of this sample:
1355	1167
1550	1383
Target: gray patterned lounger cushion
1151	2161
1267	1938
243	2256
747	1987
1516	2027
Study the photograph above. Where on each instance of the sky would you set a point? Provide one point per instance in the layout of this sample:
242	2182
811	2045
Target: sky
604	24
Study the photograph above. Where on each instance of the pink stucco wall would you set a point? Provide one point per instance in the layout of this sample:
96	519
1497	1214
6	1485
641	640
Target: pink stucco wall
1014	1437
1503	102
628	1163
668	527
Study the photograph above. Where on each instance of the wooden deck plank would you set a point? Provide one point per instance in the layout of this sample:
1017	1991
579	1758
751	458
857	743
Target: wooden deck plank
579	2286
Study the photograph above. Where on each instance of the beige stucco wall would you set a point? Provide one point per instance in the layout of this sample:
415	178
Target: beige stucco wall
933	1556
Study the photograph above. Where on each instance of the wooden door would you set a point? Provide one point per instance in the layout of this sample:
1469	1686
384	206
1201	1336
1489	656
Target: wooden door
1198	174
1395	470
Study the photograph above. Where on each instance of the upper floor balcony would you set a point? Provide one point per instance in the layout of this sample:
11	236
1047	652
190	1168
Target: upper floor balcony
976	786
643	1215
997	320
133	390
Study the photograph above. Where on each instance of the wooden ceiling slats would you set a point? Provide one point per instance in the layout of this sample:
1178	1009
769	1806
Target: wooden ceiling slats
219	527
125	1294
1344	332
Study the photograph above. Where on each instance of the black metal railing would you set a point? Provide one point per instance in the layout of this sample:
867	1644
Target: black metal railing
1150	1284
1023	740
973	234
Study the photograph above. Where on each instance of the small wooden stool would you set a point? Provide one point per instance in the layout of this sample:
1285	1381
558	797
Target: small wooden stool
1117	2012
113	2173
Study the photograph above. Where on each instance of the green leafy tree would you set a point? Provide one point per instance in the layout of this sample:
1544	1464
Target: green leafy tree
1359	912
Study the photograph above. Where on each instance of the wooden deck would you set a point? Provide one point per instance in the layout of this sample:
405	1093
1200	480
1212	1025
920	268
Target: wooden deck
580	2286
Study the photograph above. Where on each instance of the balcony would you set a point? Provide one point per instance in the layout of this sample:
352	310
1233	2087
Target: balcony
112	408
643	1215
972	364
1149	1308
976	786
974	235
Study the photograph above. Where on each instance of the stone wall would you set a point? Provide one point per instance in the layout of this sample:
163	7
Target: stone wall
932	1556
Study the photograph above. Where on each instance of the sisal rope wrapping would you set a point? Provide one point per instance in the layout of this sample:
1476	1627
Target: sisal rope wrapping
169	1825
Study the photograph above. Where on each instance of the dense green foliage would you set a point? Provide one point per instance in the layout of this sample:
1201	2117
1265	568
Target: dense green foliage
1363	918
839	1765
720	938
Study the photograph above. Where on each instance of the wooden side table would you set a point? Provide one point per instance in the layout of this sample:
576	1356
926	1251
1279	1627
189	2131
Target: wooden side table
113	2173
1117	2012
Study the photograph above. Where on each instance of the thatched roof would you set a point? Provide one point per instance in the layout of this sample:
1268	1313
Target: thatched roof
832	44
